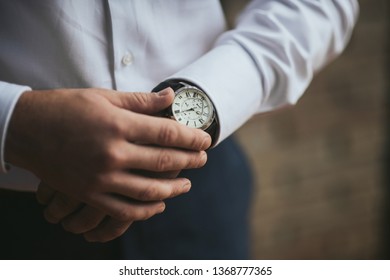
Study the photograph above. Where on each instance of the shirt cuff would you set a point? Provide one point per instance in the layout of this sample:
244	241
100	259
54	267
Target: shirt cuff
9	95
233	85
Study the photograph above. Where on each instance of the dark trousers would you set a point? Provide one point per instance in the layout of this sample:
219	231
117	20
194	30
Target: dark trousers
209	222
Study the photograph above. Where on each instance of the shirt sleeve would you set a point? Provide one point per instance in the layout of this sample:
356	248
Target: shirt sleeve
268	60
9	95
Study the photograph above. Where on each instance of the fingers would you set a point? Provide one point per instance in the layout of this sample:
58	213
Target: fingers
154	130
44	193
146	189
84	220
165	174
58	204
165	132
59	207
95	225
123	209
138	198
160	159
108	230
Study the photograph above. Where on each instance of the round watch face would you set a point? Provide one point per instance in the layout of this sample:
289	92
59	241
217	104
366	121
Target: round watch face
192	108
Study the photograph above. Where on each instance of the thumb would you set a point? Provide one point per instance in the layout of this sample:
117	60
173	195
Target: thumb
146	103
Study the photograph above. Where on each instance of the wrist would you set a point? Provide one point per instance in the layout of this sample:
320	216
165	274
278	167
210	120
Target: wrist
9	96
192	107
18	140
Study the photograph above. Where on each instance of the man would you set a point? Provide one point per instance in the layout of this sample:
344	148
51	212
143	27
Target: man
103	159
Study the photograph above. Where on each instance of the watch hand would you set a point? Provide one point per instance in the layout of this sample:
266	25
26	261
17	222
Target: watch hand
192	109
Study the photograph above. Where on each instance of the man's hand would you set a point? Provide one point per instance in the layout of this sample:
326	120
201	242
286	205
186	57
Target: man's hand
78	218
86	143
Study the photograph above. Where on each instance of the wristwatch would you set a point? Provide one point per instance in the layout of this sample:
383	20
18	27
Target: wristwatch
191	107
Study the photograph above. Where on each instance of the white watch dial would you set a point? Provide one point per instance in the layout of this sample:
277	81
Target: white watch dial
192	108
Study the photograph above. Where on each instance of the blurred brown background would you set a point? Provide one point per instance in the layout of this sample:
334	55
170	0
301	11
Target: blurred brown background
320	166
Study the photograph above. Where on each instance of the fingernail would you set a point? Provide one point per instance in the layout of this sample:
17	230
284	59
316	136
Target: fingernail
162	208
164	92
206	142
204	157
187	186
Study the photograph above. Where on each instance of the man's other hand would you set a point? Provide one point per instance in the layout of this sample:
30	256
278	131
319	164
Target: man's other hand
86	144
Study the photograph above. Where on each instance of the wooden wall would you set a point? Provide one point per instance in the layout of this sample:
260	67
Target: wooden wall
320	191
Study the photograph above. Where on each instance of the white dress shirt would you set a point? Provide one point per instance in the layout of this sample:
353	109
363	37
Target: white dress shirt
265	62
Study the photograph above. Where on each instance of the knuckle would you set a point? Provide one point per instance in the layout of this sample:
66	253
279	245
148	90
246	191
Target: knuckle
141	99
195	143
111	157
200	140
63	204
88	224
175	191
80	226
116	230
194	160
50	217
89	189
148	212
130	215
145	214
202	159
103	181
124	214
71	228
76	229
149	193
85	98
164	161
115	127
168	135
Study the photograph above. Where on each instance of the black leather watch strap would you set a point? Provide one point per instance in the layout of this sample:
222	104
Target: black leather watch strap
175	85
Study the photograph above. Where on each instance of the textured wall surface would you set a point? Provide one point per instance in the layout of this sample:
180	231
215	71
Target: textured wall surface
319	165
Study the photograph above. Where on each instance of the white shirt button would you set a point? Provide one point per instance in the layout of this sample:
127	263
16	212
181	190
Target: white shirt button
127	59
